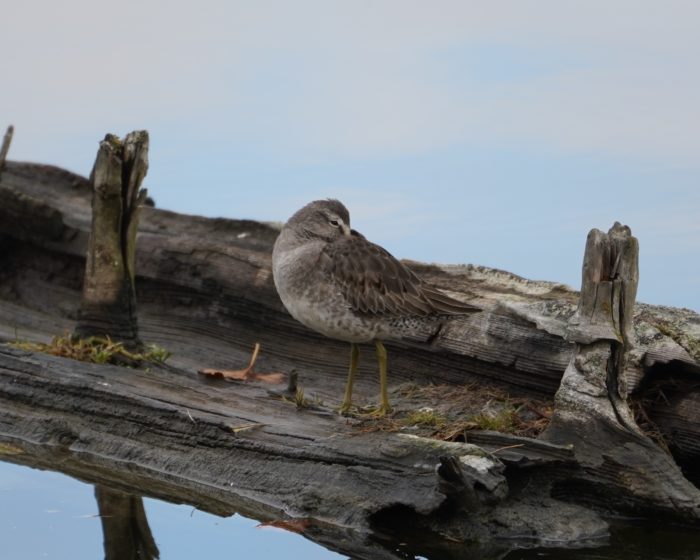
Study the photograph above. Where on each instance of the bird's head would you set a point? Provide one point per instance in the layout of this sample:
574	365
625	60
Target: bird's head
321	219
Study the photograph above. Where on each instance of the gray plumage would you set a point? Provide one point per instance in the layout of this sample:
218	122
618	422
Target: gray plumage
336	282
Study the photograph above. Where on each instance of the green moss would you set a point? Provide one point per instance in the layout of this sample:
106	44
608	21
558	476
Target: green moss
95	349
505	420
425	417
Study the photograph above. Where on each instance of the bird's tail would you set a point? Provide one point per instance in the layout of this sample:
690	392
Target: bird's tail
446	305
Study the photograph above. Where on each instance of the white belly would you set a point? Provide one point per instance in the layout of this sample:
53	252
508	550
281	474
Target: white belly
315	303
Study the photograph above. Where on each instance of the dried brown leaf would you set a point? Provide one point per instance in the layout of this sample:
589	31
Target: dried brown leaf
246	374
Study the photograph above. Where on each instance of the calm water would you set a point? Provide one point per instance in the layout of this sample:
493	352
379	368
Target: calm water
45	514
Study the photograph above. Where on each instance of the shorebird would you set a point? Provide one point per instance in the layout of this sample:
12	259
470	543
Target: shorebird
336	282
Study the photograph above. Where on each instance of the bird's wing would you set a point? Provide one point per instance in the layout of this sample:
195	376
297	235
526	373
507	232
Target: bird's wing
374	282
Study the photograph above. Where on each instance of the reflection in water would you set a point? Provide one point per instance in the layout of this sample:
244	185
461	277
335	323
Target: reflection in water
127	535
638	542
46	515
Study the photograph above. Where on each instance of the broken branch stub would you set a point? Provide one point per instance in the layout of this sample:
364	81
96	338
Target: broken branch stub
601	326
108	305
5	146
591	412
594	381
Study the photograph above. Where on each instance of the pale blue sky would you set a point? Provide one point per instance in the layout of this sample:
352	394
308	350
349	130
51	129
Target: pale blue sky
494	133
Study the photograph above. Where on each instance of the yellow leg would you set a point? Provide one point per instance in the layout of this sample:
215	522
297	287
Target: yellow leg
384	406
347	399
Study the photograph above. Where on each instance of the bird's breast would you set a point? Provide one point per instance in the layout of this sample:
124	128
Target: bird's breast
314	300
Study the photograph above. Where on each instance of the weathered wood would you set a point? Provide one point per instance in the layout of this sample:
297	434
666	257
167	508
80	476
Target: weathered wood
171	422
5	147
671	407
108	306
591	410
202	282
595	382
232	447
28	219
205	292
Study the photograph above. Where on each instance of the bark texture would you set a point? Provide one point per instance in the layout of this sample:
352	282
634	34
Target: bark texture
108	306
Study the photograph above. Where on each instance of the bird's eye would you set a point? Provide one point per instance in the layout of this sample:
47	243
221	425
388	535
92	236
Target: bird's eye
335	223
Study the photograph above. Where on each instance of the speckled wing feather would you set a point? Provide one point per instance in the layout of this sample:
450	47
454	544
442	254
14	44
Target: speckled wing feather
376	283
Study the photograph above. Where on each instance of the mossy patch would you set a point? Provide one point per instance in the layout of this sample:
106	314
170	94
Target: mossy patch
425	417
95	349
506	420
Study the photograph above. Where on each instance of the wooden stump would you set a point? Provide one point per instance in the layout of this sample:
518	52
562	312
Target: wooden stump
591	409
5	147
600	328
108	306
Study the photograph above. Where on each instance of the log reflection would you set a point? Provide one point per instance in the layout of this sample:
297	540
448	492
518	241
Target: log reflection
127	535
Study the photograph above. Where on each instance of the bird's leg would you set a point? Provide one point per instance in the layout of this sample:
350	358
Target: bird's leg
384	406
347	399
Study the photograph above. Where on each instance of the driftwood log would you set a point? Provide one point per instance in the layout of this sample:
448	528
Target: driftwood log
591	410
205	292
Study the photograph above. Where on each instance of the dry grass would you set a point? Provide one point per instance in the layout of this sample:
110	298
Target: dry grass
98	350
299	399
449	412
652	395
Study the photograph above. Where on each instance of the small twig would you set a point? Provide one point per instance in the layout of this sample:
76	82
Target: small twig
6	146
292	382
187	410
254	357
243	427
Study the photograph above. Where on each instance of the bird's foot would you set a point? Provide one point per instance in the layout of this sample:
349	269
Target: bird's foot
381	411
370	412
345	408
367	412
